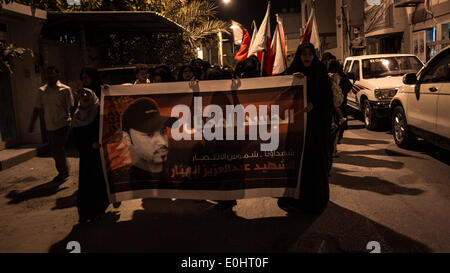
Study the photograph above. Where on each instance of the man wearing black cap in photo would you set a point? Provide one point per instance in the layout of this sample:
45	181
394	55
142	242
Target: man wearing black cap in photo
144	130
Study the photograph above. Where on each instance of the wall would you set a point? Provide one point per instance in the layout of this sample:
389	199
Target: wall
291	25
326	20
395	26
67	57
24	26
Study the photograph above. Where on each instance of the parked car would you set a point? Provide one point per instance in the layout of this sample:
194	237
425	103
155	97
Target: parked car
421	108
376	80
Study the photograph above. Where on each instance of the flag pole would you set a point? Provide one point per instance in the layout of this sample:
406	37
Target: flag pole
264	51
262	62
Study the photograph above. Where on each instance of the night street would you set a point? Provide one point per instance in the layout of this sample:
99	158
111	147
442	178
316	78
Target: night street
379	192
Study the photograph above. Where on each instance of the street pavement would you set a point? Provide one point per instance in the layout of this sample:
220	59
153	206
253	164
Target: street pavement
379	192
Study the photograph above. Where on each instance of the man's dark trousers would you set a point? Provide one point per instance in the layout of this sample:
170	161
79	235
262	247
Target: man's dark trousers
57	140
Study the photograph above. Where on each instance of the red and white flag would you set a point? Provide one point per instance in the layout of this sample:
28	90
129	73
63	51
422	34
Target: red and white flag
311	34
244	41
279	49
238	33
263	43
255	32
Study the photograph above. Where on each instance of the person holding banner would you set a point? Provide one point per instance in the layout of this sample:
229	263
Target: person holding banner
91	80
165	73
142	74
314	188
186	73
199	68
249	68
92	198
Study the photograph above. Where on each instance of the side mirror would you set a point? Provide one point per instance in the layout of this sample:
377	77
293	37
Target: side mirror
410	78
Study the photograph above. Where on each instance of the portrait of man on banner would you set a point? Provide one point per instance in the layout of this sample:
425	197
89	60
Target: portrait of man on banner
144	131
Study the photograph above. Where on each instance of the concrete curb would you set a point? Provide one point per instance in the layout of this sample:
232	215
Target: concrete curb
14	156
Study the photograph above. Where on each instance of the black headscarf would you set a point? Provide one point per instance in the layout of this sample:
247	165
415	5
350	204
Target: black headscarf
318	83
297	65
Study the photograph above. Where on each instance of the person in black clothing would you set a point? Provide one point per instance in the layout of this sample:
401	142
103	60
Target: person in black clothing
228	73
199	68
214	73
346	87
314	188
91	80
327	57
92	199
249	68
162	72
335	73
186	73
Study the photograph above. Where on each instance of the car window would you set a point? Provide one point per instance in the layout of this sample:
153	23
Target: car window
439	71
347	66
355	69
390	66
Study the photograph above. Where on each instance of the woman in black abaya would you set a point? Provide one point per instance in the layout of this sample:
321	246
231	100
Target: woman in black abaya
314	188
92	199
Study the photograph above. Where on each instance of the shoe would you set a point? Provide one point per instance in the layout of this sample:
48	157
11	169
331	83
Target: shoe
223	205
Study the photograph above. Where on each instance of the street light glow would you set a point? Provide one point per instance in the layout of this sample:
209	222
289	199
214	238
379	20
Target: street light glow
226	1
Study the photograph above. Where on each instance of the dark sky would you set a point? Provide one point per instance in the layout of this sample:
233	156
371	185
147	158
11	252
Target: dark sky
245	11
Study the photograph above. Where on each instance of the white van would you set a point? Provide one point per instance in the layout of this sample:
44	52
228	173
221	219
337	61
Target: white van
376	81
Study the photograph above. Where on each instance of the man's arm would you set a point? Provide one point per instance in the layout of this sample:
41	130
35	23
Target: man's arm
37	111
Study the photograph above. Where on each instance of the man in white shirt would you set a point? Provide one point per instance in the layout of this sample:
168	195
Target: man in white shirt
55	101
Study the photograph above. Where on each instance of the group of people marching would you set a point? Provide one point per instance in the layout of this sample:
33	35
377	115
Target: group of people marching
77	113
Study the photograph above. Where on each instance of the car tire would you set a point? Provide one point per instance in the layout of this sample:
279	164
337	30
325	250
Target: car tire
402	137
370	121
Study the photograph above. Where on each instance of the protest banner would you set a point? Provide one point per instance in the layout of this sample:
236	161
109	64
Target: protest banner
217	140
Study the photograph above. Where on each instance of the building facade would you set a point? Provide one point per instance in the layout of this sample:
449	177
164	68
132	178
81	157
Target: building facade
62	39
20	25
420	27
429	26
